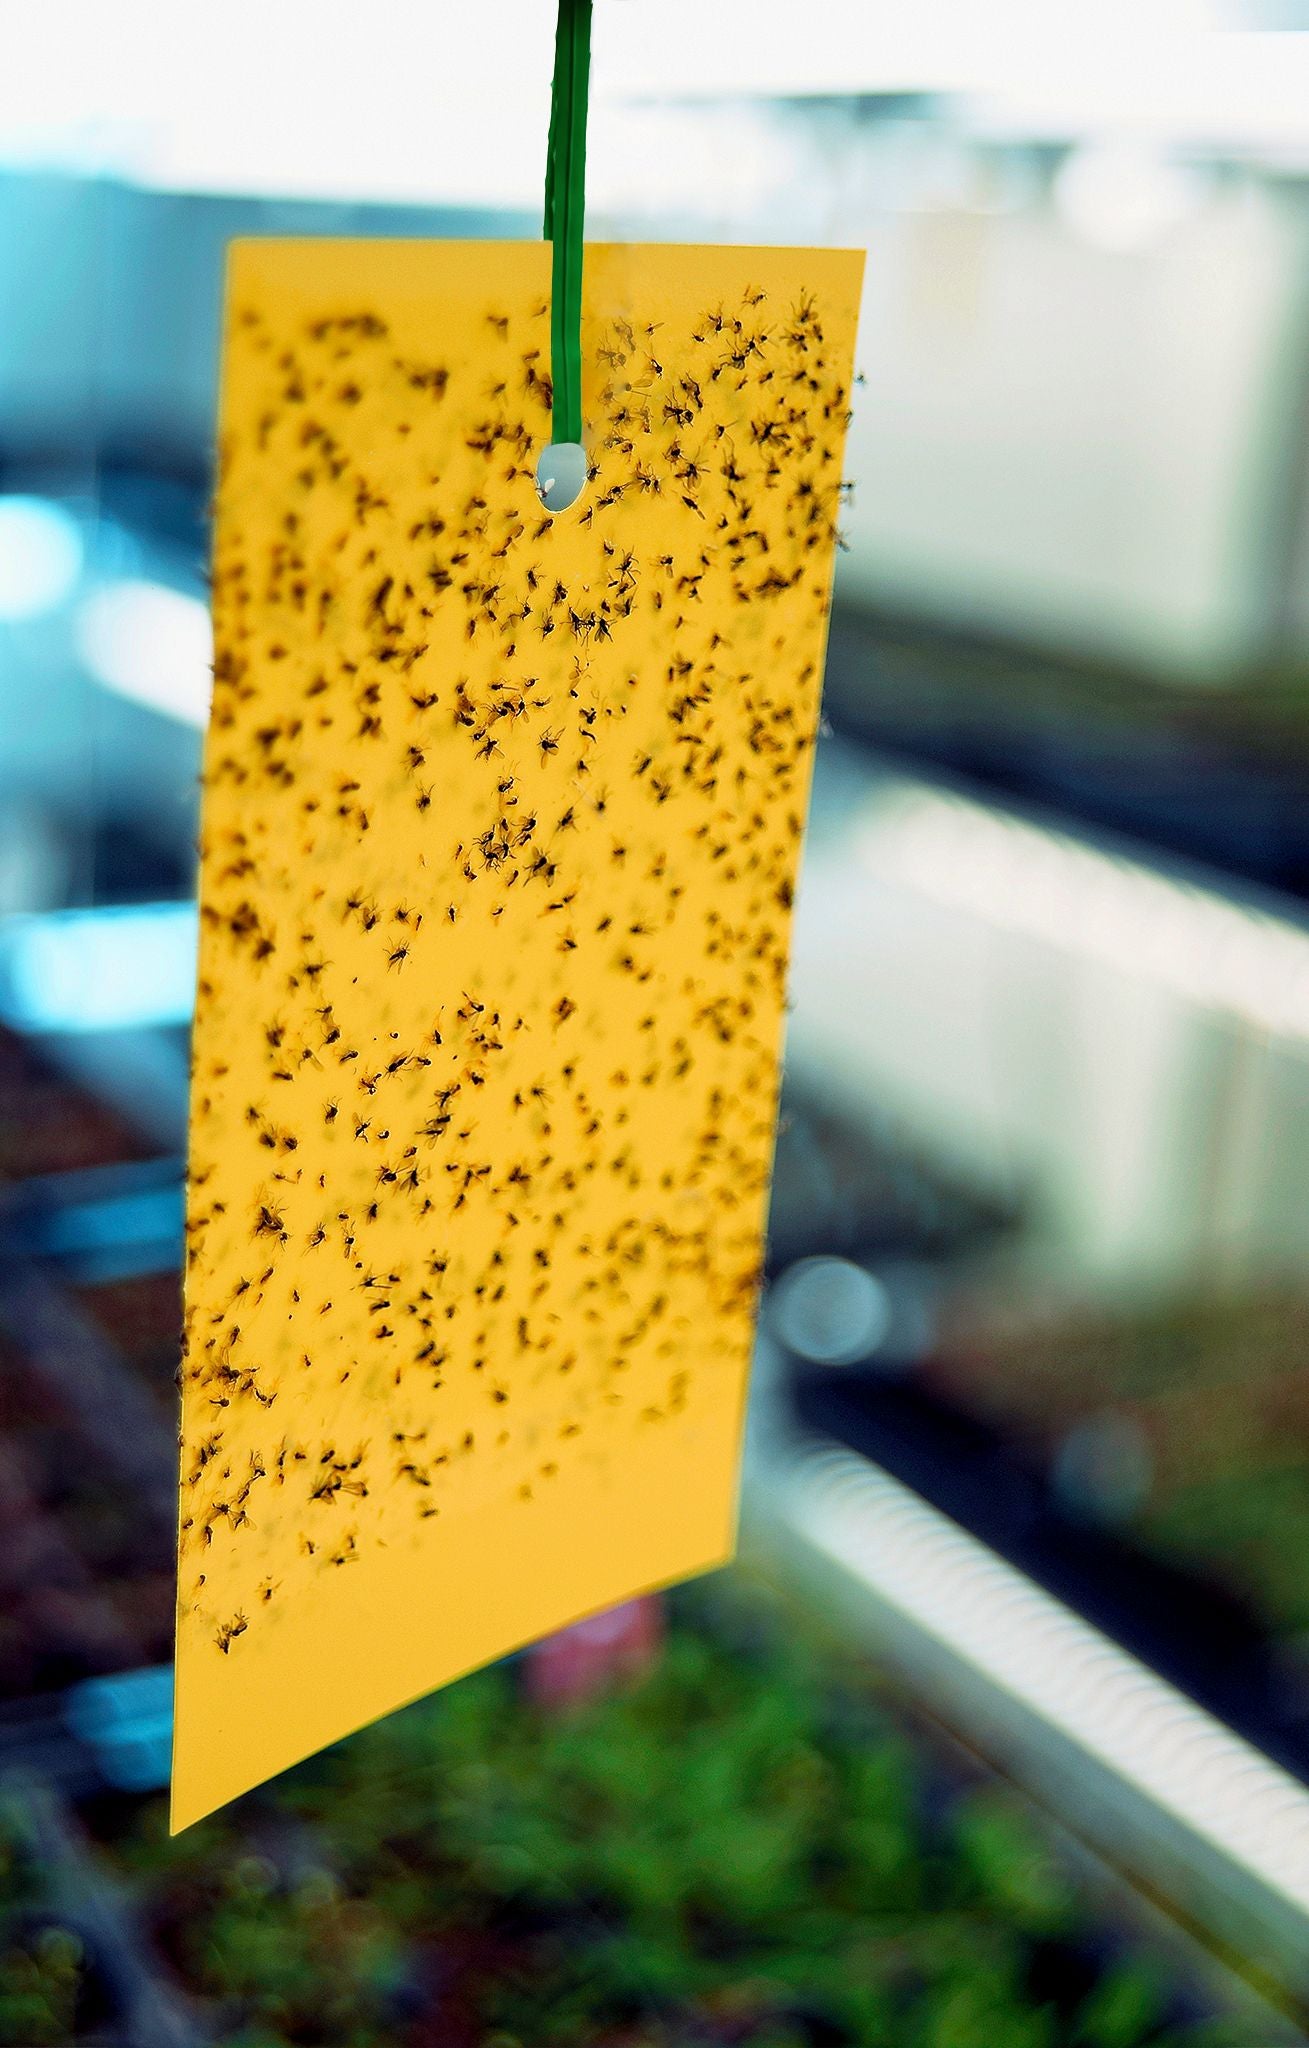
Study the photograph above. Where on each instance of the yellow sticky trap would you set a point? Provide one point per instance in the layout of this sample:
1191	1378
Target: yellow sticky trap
502	817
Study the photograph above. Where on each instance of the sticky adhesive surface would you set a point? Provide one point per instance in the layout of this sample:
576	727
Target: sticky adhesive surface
502	818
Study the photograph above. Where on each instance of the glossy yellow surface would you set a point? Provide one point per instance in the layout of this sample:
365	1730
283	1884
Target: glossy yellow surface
501	823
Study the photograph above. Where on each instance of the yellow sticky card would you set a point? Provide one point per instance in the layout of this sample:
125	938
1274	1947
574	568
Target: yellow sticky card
501	823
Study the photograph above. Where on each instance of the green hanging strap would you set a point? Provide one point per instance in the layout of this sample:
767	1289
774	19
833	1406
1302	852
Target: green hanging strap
565	199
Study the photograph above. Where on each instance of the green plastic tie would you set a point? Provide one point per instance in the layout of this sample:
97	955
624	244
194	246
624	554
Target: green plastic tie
565	202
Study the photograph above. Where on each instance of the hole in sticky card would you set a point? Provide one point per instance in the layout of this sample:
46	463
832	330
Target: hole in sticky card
561	475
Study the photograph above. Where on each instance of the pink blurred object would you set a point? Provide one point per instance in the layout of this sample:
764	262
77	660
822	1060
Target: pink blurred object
596	1654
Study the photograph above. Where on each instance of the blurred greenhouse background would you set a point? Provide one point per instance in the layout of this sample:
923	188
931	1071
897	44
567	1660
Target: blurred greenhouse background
1001	1732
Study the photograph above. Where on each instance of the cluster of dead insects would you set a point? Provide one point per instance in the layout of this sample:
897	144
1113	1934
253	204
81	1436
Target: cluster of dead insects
434	648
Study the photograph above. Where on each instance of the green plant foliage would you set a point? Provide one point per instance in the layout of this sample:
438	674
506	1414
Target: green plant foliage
1126	2003
40	1979
744	1848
